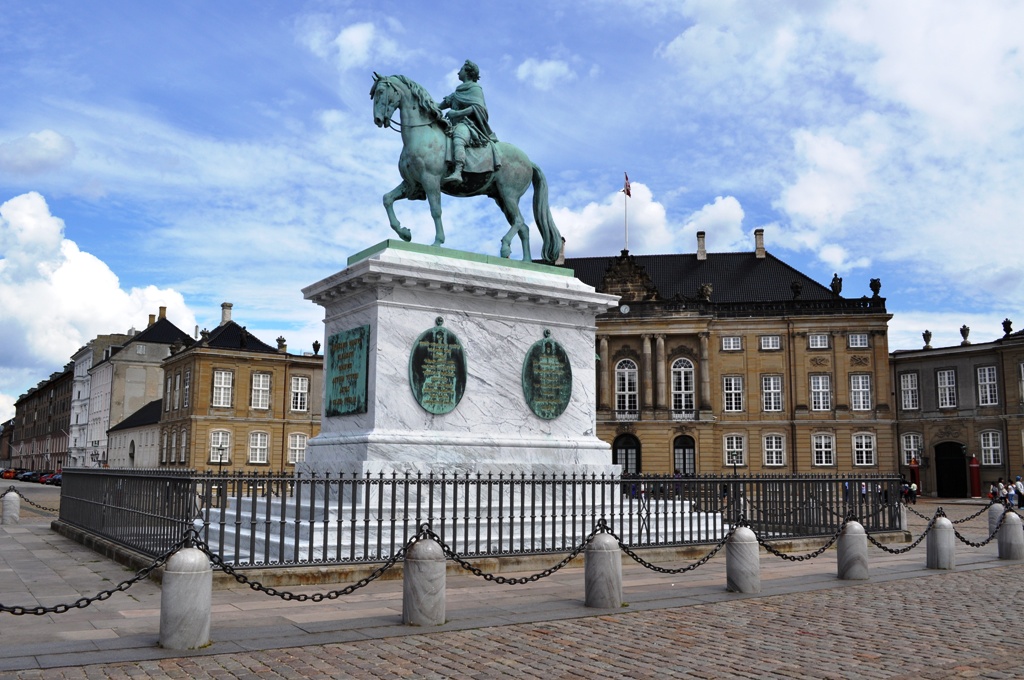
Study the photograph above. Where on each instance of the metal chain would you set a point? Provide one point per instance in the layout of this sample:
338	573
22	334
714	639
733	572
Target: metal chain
664	570
900	551
284	594
425	532
808	556
977	514
25	498
84	602
991	536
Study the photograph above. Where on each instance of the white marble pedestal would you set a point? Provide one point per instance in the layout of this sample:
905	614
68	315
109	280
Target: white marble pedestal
498	309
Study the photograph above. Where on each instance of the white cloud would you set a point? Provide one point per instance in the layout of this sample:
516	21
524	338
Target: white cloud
828	187
594	229
722	224
544	75
36	153
355	46
54	298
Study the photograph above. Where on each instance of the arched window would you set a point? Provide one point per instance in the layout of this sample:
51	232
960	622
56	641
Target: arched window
626	404
626	452
182	457
682	390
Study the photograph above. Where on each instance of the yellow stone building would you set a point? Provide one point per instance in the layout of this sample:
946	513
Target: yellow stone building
234	403
737	363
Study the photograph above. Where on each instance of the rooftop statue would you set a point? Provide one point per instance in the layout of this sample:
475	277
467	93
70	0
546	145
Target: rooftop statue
460	155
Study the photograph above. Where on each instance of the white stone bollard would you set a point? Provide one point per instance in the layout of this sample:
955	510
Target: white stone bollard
995	513
186	598
852	553
603	573
903	517
1011	539
12	508
423	584
941	548
742	562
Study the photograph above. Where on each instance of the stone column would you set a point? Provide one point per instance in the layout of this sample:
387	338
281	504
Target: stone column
995	513
941	549
186	598
660	370
603	573
423	584
604	374
648	378
1011	539
852	553
705	372
12	508
742	562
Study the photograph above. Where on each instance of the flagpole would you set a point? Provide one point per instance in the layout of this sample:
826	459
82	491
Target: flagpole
625	208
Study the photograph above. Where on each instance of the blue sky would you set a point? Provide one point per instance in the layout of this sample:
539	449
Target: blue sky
190	153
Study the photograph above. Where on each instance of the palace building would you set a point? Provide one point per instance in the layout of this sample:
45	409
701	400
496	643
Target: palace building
738	363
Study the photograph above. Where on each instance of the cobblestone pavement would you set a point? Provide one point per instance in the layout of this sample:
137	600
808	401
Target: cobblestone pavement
933	625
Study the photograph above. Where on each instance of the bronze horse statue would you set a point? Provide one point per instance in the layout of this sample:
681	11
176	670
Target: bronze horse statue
422	166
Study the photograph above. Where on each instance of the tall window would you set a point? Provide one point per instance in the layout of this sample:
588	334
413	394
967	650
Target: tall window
860	392
817	341
300	393
626	452
182	456
910	400
258	447
858	340
771	392
167	395
626	386
682	385
296	448
684	455
991	448
734	450
174	447
821	392
732	343
186	386
774	450
220	446
222	388
863	449
911	445
261	390
733	392
163	449
824	448
987	394
177	391
946	381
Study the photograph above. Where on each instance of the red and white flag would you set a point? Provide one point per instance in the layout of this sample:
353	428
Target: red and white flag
625	187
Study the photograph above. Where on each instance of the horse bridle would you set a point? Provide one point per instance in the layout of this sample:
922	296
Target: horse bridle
392	123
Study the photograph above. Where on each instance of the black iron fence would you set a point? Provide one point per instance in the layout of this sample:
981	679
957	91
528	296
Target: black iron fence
272	520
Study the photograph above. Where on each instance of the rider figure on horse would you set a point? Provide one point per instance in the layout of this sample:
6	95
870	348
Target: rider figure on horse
468	117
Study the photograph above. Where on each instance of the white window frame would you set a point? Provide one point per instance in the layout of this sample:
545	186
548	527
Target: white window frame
220	438
774	450
860	391
177	391
300	393
732	393
222	383
683	399
260	391
627	386
911	444
771	392
140	348
734	448
167	395
186	388
857	340
297	442
771	342
732	343
817	341
910	396
821	391
823	447
182	455
988	386
864	449
174	446
259	447
163	449
991	447
945	383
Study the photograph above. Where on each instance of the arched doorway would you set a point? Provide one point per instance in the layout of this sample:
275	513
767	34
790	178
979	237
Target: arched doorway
684	455
950	470
626	452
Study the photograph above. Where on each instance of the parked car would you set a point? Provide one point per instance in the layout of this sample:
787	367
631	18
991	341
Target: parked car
9	473
45	477
23	475
55	479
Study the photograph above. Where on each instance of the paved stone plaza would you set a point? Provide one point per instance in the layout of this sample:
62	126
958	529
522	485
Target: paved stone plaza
906	621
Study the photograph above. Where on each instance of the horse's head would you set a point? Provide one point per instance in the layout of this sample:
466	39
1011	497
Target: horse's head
386	99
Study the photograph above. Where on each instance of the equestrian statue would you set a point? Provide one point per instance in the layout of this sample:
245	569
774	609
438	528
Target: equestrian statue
459	155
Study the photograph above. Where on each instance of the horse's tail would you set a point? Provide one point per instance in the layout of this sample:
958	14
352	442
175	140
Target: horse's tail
552	247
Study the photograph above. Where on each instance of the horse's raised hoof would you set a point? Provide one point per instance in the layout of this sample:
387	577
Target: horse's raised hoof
505	249
403	233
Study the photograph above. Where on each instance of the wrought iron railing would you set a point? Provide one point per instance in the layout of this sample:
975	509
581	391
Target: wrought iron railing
275	520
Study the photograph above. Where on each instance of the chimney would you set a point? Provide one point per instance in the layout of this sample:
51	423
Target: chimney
152	320
759	243
702	253
282	345
163	312
225	312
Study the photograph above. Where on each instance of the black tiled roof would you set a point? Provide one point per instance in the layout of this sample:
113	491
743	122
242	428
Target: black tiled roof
147	415
164	332
232	336
735	277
